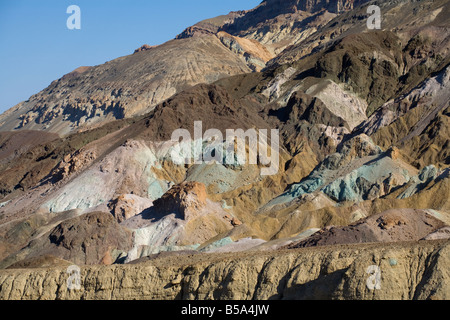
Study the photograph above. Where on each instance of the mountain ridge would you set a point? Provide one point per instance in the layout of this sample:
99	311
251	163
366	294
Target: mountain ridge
363	124
53	109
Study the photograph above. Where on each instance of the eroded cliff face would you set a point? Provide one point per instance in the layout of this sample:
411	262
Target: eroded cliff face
406	271
364	125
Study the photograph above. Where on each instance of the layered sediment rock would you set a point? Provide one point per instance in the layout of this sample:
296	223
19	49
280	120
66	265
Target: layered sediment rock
363	119
406	271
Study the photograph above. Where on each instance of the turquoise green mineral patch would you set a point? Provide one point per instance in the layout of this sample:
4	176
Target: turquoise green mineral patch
392	262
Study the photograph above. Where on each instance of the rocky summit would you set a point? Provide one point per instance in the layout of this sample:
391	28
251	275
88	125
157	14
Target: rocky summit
358	119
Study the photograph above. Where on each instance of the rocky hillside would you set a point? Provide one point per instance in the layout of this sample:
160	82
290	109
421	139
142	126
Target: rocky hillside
134	84
124	87
407	271
90	174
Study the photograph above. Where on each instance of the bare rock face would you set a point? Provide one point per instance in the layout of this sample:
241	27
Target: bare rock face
409	271
75	73
125	87
233	220
271	9
145	47
254	53
302	106
394	153
341	172
89	237
389	226
237	43
182	219
185	200
278	24
195	31
127	206
73	163
443	233
92	238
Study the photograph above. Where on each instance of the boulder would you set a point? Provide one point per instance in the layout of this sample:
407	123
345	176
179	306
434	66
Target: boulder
184	200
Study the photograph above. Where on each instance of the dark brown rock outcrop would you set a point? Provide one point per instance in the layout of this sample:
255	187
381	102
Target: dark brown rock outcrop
390	226
91	238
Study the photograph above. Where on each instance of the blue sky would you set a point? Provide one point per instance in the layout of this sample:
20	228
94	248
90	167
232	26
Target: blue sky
36	47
